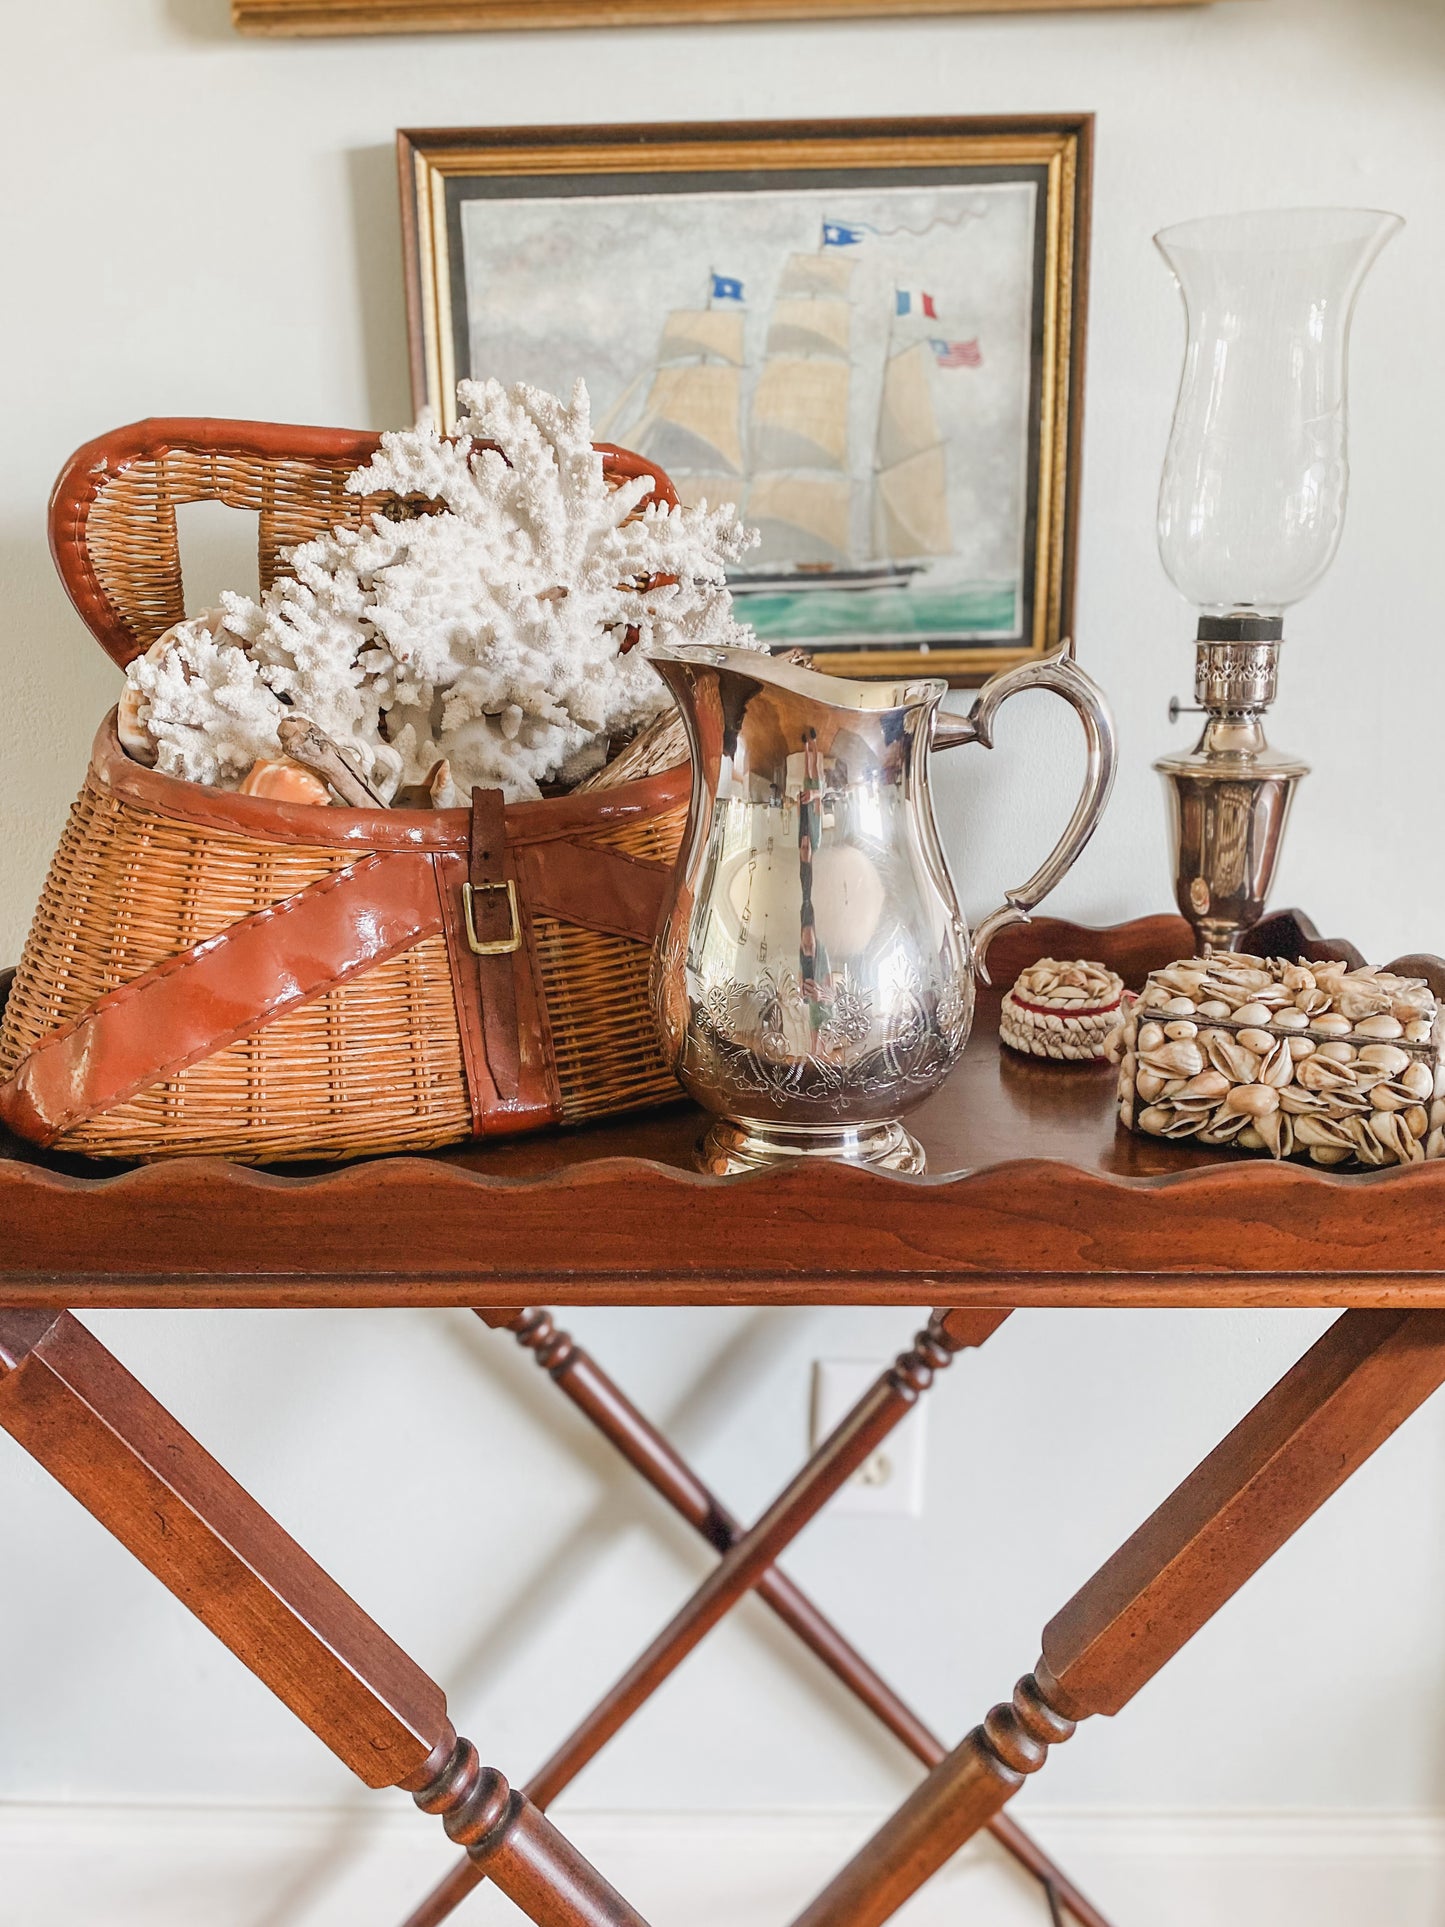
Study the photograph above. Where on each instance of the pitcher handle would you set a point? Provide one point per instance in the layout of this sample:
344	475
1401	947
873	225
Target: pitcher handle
1063	675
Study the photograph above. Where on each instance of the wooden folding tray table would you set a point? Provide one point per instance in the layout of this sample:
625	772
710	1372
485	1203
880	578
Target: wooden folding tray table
1034	1198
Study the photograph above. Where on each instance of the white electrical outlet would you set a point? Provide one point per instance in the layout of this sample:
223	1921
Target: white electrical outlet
892	1480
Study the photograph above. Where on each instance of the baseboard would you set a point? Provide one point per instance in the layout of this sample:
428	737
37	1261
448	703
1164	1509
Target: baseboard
234	1866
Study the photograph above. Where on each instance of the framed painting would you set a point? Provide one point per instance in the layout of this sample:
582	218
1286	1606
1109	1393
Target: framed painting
867	335
283	17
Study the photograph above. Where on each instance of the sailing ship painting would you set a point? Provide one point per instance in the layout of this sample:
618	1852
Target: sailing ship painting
853	367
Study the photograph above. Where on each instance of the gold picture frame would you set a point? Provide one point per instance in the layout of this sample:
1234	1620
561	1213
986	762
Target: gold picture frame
297	17
925	523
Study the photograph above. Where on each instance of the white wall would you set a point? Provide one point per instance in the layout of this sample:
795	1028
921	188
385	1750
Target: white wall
194	223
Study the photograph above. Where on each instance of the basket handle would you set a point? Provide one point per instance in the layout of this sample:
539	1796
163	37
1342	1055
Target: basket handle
84	519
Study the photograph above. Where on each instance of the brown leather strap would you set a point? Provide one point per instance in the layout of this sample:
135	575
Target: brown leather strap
598	888
227	987
496	919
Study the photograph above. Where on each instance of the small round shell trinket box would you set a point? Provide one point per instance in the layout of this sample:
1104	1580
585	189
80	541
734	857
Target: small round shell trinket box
1066	1011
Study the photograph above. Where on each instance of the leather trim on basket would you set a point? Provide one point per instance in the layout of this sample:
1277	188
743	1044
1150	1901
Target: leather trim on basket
599	888
222	989
264	819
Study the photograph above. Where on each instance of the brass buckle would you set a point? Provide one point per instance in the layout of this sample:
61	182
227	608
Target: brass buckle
504	946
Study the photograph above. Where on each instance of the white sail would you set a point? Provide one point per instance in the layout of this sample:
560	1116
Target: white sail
912	505
692	419
828	273
803	518
800	414
810	327
907	422
703	331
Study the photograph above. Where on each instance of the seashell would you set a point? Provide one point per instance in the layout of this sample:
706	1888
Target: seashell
1332	1024
1298	1102
1249	1139
1389	1097
1369	1148
1182	979
1254	1013
1435	1143
1321	1073
1330	1133
1213	1008
1185	1123
1150	1036
1128	1064
284	782
1183	1058
1417	1031
1254	1100
1239	1065
1290	1019
135	738
1395	1137
1301	1047
1155	1119
1278	1068
1297	976
1337	1051
1154	996
1210	1084
1386	1057
1437	1114
1223	1128
1179	1028
1179	1007
1126	1111
1150	1084
1312	1001
1328	1154
1277	1130
1259	1041
1440	1078
1416	1121
1359	1000
1381	1024
1275	998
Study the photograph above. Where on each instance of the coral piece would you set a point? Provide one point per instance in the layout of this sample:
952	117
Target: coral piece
1066	1011
1296	1059
496	631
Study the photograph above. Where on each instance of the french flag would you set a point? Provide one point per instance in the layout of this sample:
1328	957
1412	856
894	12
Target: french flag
913	301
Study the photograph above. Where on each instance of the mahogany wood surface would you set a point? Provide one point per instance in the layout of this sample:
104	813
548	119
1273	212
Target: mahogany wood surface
1034	1197
1324	1418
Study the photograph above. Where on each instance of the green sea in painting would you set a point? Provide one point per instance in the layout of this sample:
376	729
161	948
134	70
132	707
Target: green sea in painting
855	618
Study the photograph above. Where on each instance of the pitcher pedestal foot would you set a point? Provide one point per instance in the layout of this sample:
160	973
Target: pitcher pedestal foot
729	1147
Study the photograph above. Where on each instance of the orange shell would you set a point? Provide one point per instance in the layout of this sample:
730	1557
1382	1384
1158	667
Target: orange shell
284	782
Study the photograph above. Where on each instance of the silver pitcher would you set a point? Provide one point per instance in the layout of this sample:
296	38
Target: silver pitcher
814	979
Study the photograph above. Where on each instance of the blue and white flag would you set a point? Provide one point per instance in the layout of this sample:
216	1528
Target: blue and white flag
845	234
726	288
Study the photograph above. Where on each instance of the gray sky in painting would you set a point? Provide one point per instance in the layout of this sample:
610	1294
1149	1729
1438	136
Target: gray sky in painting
569	286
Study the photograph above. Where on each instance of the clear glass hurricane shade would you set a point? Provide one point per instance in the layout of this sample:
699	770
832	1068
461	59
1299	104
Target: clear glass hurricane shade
1252	500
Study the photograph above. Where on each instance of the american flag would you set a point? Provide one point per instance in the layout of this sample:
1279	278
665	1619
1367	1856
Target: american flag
957	354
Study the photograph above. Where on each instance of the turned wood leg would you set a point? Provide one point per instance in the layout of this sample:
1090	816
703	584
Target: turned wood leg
598	1396
594	1393
81	1415
1280	1463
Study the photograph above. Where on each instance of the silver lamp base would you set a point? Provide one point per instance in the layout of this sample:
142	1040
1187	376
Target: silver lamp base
729	1147
1230	796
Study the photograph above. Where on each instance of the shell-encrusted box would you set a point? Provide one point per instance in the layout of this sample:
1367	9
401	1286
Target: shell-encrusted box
1300	1060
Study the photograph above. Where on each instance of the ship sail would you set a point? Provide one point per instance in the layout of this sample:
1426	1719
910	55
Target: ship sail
810	327
829	273
801	518
692	418
907	423
912	505
703	331
800	414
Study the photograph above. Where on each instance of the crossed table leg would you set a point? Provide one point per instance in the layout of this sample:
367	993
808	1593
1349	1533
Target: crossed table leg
83	1417
602	1401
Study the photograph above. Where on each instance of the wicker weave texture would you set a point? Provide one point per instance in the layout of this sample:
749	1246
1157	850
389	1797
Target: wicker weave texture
373	1065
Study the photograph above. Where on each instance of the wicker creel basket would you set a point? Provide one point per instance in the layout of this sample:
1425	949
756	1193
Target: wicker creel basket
210	972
